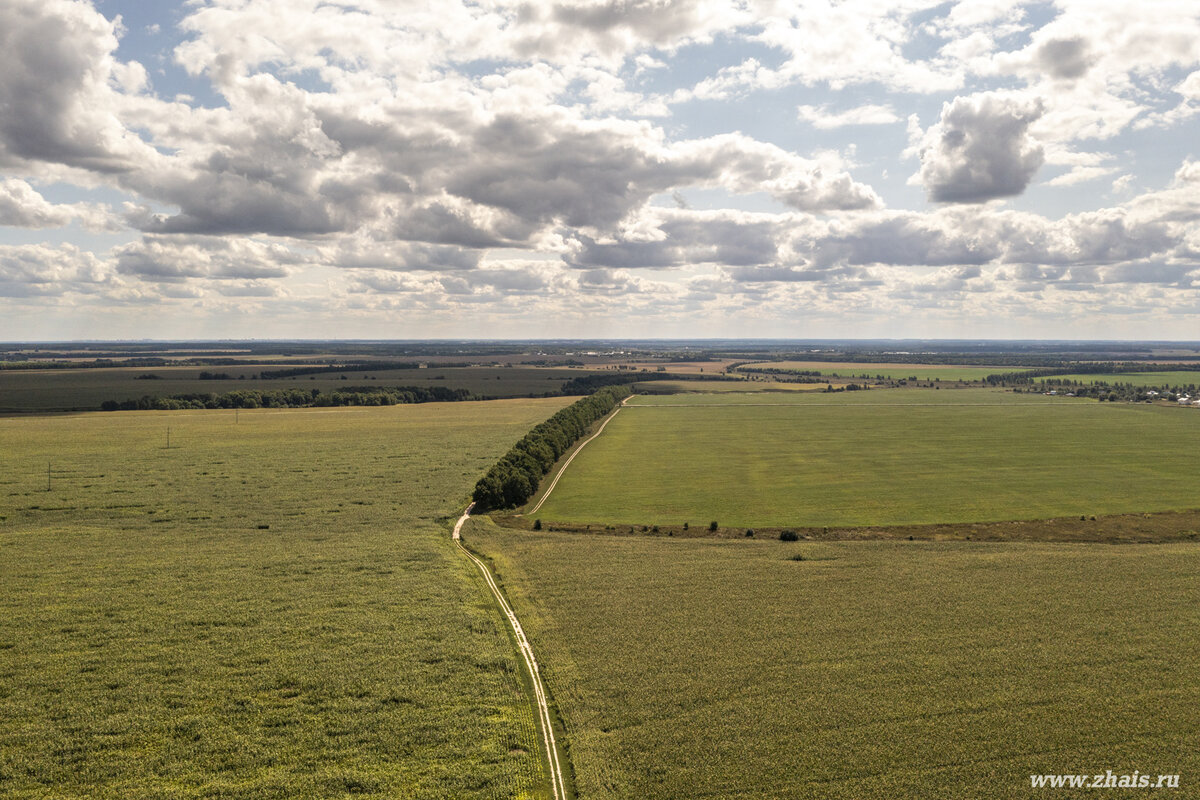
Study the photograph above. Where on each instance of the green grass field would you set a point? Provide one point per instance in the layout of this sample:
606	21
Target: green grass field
86	389
869	671
878	457
1180	378
887	371
269	609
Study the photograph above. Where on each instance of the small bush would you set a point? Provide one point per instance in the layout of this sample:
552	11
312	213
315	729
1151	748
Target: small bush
712	526
749	533
537	524
788	536
685	526
797	557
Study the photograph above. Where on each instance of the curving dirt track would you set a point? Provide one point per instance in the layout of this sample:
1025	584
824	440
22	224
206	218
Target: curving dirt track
557	786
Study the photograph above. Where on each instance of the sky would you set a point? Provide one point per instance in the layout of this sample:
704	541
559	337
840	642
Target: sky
267	169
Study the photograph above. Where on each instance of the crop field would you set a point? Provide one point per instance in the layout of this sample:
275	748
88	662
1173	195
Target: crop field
887	371
86	389
867	671
1170	378
879	457
271	608
724	387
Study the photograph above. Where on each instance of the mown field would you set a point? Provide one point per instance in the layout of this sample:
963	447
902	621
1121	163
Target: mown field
879	457
86	389
868	671
270	608
1169	378
886	371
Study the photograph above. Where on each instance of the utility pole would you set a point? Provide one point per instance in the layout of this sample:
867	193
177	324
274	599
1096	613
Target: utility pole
47	476
168	437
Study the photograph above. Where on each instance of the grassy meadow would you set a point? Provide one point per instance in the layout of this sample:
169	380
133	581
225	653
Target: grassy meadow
879	457
867	671
887	371
86	389
271	608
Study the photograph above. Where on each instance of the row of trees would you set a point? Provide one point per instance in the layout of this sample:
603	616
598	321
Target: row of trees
295	398
1106	368
515	477
1114	392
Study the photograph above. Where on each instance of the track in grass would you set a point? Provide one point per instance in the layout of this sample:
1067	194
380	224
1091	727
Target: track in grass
557	785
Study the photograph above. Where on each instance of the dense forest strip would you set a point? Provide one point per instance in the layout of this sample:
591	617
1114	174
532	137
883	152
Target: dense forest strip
296	398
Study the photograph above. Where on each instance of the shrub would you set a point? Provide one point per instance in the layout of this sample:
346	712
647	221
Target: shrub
685	526
749	533
788	536
712	526
537	524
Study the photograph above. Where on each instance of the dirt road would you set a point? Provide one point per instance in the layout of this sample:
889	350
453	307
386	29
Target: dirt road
557	785
554	482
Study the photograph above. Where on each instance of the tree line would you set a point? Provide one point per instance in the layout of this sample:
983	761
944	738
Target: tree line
515	477
295	398
1076	368
1113	392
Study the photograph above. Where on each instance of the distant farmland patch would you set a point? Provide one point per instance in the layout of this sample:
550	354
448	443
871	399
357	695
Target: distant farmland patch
886	371
724	387
87	389
879	457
